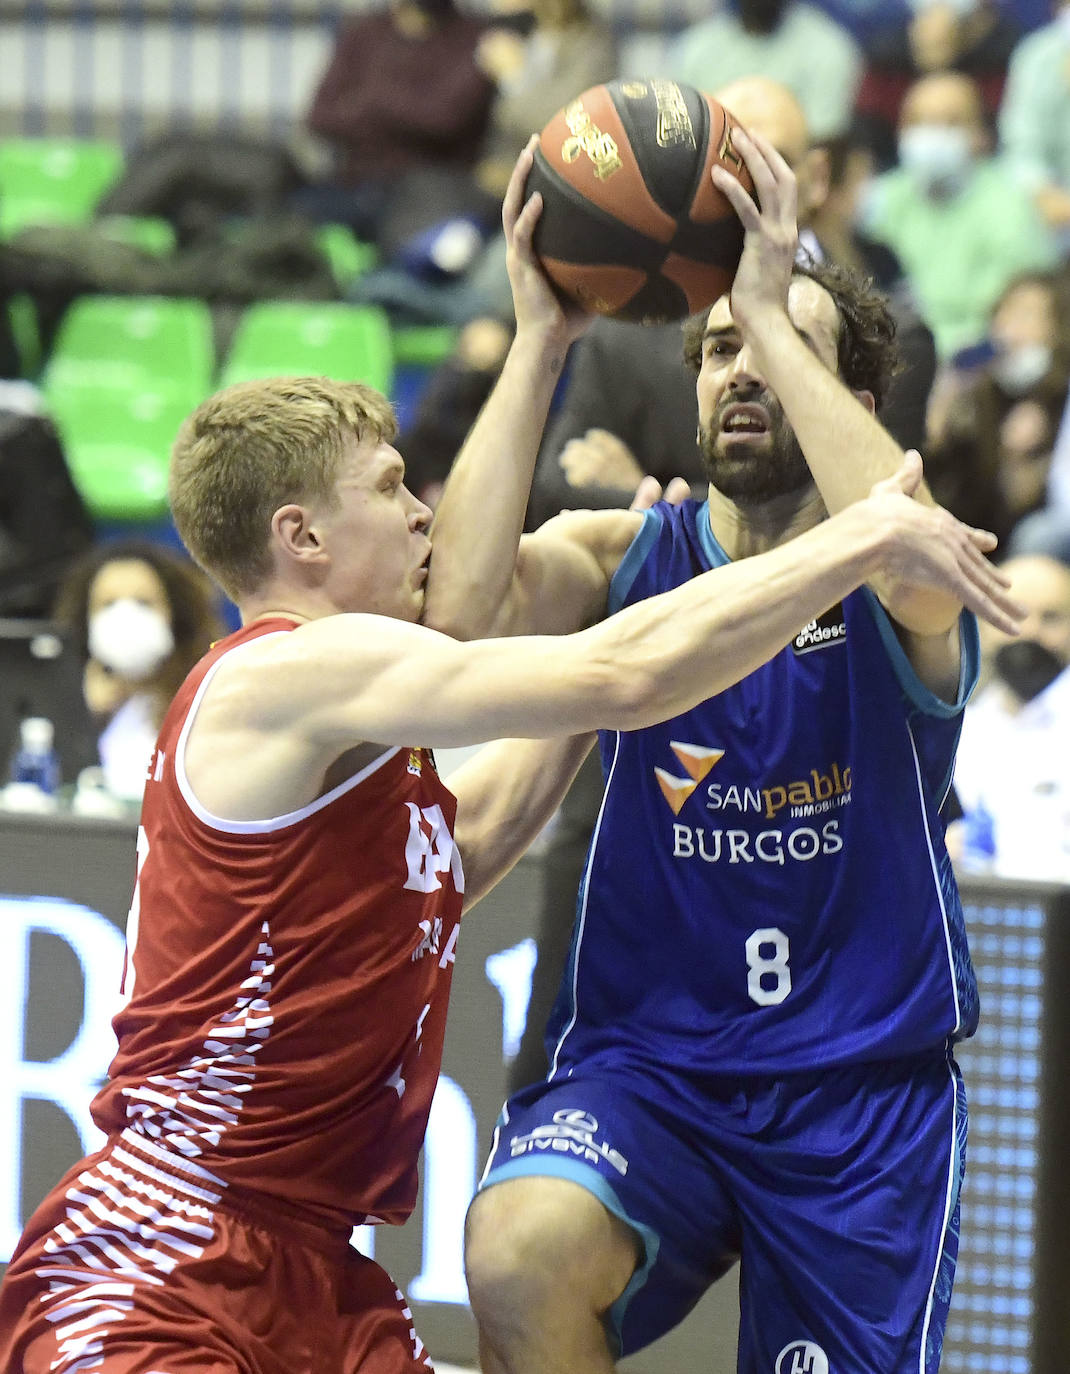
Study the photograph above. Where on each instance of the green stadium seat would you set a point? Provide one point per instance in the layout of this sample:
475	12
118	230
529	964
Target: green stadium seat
118	447
349	256
424	345
54	180
290	338
161	344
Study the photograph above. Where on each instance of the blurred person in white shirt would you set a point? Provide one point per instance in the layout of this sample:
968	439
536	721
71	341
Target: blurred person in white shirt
1014	753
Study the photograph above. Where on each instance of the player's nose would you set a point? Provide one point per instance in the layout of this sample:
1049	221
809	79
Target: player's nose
744	373
420	515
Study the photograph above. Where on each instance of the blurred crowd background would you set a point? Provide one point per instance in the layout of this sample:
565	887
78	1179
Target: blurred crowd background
197	192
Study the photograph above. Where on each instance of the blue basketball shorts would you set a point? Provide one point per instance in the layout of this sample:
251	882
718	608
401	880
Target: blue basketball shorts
837	1191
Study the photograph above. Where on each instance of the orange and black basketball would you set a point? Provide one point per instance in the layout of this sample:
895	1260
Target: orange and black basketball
632	225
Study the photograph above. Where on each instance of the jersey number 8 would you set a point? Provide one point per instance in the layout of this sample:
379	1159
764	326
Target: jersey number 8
768	975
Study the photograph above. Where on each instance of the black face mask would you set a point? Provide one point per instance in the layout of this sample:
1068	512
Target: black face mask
761	16
1026	667
435	9
516	21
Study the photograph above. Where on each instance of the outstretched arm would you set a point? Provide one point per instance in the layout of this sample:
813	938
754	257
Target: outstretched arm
282	711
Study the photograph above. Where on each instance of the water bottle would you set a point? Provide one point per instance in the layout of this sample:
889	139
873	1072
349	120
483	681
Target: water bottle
979	839
35	770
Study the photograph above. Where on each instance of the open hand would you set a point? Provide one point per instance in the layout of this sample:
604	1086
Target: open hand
926	546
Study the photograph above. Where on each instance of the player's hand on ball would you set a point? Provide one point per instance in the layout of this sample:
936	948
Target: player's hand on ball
535	303
771	232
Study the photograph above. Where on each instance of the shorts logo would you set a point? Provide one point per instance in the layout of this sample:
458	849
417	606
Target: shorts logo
571	1135
577	1118
697	762
802	1357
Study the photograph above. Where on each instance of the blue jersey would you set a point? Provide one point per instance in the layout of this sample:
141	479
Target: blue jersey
767	888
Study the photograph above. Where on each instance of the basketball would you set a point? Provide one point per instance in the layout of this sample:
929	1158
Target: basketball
632	225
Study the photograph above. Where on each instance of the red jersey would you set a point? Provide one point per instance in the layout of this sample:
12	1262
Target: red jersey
287	979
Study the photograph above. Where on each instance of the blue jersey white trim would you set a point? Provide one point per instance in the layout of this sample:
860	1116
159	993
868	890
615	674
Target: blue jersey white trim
767	888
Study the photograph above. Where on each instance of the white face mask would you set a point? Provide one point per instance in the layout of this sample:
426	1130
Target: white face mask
1019	370
130	638
938	156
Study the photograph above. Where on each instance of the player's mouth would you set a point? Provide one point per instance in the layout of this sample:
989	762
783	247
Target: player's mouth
744	423
421	573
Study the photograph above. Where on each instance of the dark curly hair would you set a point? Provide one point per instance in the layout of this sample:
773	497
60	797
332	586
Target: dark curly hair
196	618
867	353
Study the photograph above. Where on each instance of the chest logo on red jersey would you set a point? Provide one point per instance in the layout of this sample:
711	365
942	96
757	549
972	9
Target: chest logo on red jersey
697	761
430	850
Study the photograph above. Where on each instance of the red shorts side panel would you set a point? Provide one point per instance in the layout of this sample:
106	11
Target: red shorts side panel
135	1264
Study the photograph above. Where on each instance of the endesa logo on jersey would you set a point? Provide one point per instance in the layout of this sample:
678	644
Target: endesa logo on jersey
820	791
822	633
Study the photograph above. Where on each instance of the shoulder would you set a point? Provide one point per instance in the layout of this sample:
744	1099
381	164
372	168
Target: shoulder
809	20
1042	46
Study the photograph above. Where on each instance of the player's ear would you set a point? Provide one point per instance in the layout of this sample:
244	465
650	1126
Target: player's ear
867	399
296	534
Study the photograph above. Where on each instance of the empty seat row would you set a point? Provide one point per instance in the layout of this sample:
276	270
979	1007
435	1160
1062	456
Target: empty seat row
124	371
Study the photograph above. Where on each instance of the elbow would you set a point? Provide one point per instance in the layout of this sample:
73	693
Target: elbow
631	697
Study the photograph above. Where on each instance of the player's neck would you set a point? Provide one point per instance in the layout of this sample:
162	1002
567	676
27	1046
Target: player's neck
744	529
274	603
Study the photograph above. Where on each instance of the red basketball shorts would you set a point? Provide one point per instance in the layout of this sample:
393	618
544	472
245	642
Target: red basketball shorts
136	1264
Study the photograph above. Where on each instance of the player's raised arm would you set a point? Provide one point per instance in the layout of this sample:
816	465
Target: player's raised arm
507	791
479	520
846	447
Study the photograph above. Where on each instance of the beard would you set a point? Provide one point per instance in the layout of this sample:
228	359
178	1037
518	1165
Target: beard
756	472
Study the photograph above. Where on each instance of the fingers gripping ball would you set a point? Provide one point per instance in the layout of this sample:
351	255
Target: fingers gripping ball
632	225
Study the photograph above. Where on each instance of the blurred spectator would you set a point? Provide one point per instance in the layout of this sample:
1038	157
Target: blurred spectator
992	429
450	403
974	37
833	220
1015	743
539	59
629	403
141	616
1049	529
404	105
960	226
788	41
567	50
1034	121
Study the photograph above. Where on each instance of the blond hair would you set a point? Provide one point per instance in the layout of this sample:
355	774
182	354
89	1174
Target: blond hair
250	449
